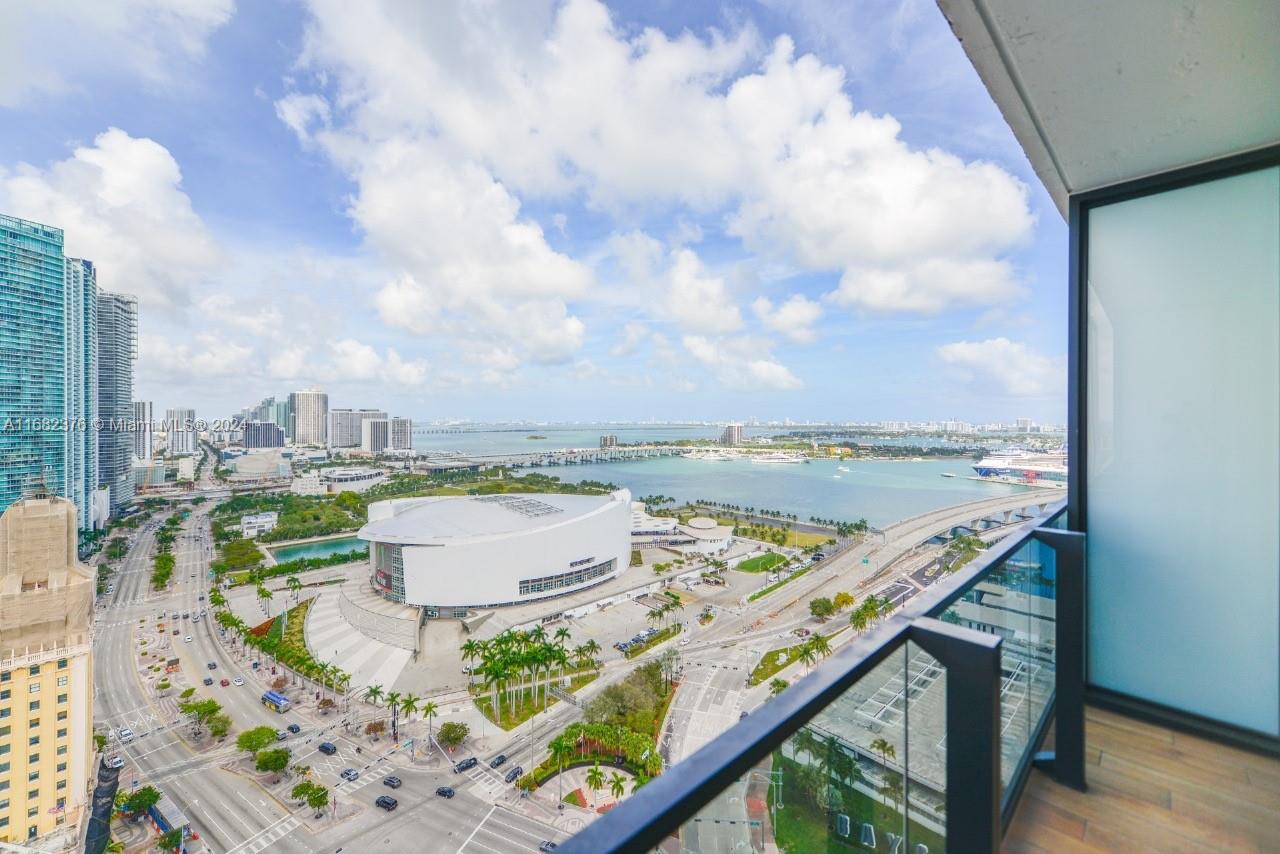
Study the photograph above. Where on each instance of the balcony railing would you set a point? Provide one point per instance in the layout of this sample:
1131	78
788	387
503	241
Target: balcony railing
915	737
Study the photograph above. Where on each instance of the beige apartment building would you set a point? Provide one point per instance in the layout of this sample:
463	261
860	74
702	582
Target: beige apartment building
46	672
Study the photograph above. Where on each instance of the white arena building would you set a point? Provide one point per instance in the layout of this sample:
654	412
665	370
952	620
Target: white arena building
455	554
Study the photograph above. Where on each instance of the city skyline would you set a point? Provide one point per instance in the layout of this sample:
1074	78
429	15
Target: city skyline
583	282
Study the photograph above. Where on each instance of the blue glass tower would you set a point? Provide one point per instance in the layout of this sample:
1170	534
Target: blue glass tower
33	405
81	352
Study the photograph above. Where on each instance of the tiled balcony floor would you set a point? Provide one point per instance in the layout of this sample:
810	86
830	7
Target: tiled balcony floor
1152	789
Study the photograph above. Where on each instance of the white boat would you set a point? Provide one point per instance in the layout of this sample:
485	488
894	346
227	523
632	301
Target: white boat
779	458
842	468
1019	466
710	456
836	476
947	474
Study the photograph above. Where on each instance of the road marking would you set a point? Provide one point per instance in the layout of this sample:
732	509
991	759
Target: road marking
477	830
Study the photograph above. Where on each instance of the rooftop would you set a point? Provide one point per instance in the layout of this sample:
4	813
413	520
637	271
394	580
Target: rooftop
451	519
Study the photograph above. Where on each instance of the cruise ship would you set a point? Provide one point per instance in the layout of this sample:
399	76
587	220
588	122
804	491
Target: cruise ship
710	456
778	457
1018	466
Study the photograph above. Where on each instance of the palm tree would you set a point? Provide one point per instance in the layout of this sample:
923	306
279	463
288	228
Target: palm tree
777	686
409	705
654	616
561	749
821	645
861	616
393	703
617	785
886	752
591	648
217	599
294	585
429	711
265	596
595	778
373	694
808	655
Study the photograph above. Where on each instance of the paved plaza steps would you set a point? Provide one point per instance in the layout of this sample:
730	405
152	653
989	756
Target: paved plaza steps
331	638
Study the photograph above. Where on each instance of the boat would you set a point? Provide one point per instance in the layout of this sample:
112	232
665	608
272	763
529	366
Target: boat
710	456
844	469
836	476
779	458
1020	466
947	474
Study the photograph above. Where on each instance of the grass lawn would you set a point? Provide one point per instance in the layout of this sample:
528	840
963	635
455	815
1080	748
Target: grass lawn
802	827
575	799
526	705
772	587
761	563
666	634
775	660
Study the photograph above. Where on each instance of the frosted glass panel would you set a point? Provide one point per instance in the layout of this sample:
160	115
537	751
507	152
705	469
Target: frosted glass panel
1183	421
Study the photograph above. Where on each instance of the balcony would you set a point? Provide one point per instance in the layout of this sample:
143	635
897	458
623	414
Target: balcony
925	735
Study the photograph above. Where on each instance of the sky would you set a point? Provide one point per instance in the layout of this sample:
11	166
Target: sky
557	211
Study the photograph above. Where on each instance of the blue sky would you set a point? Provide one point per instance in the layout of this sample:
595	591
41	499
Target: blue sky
558	211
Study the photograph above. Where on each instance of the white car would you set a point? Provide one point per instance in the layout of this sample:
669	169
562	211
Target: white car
187	639
115	762
238	681
684	641
125	735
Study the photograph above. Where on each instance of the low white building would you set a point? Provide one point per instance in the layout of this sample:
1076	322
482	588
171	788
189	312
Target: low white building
706	535
351	479
187	468
652	532
258	523
308	484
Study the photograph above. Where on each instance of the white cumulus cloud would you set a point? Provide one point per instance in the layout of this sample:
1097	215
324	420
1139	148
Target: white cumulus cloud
697	300
1001	366
741	362
793	318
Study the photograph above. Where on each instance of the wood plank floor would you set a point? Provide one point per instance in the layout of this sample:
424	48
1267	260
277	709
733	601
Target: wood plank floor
1152	789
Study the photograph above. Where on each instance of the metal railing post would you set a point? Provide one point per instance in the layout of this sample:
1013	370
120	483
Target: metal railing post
1066	761
972	662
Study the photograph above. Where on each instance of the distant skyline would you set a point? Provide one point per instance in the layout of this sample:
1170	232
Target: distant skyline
551	211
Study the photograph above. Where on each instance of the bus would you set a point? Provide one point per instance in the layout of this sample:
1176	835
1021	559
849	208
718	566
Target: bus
275	701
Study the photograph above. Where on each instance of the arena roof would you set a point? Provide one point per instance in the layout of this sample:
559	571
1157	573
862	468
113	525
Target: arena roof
443	519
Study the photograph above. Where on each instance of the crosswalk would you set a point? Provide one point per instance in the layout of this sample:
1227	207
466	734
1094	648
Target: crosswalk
486	779
268	836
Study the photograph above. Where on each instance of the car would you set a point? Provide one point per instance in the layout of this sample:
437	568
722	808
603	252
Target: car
386	802
177	632
187	639
350	774
546	846
684	641
238	681
212	665
125	735
186	615
464	765
514	774
111	588
498	760
742	715
294	728
445	792
161	617
115	762
201	597
328	748
281	735
392	782
208	680
224	682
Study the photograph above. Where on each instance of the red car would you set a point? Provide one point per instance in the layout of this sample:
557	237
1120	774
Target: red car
224	682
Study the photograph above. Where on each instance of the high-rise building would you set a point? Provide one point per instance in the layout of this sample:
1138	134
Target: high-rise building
144	445
281	417
375	435
401	434
262	434
32	358
732	435
309	413
117	351
180	425
46	608
609	441
80	367
344	426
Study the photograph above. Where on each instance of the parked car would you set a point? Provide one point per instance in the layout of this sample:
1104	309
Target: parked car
328	748
464	765
386	802
238	681
125	735
115	762
546	847
392	782
294	728
224	682
208	680
350	774
281	735
445	792
212	665
498	760
514	774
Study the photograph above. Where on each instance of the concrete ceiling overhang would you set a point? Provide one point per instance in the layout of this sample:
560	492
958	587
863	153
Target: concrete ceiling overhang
1104	91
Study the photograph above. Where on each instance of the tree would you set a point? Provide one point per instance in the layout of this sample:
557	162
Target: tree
171	840
253	740
429	711
595	778
375	728
141	800
295	586
274	761
777	686
453	733
822	607
617	785
280	683
842	600
265	595
201	711
318	798
219	725
808	655
301	790
409	705
373	694
561	749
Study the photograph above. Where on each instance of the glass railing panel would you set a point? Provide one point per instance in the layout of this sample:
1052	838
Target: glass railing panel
836	784
1015	599
926	755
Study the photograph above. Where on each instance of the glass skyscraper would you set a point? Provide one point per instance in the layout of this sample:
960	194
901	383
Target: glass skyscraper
33	373
117	351
81	369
